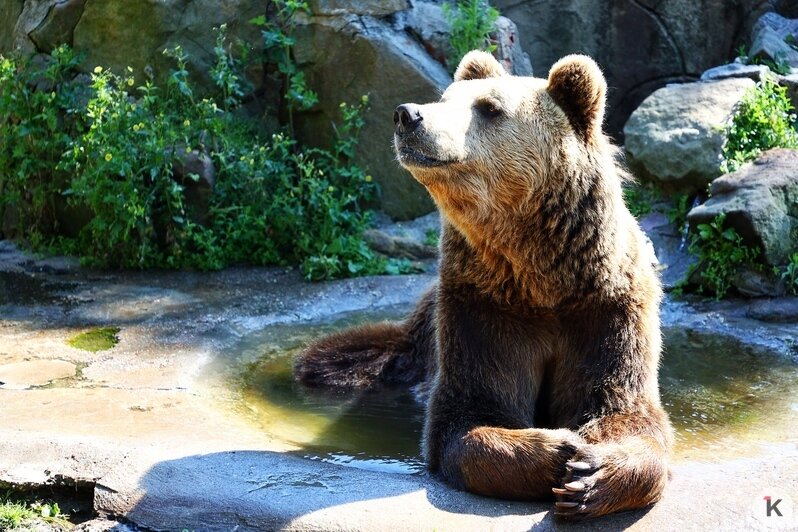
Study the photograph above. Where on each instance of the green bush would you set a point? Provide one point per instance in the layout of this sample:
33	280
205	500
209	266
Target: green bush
720	252
640	199
39	118
790	274
763	120
471	22
112	149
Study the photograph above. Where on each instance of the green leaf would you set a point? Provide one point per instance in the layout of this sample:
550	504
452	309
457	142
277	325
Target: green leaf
258	21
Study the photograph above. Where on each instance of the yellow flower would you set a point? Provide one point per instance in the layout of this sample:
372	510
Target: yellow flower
108	157
186	122
135	127
188	150
368	179
98	69
130	82
330	188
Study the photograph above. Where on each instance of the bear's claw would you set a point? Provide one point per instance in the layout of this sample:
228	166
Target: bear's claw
577	489
575	486
579	466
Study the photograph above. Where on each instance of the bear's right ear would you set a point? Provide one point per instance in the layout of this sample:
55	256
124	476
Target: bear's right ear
478	65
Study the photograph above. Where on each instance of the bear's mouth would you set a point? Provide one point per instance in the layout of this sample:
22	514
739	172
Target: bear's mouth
411	157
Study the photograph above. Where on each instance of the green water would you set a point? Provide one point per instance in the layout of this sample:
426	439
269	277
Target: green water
721	402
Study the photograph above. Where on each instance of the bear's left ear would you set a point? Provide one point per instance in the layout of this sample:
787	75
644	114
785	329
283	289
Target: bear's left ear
578	86
478	65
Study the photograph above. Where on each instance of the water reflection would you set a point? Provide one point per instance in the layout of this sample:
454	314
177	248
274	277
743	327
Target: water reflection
721	402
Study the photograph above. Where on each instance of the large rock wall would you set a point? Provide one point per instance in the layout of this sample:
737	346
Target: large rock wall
121	33
348	48
394	49
642	45
345	58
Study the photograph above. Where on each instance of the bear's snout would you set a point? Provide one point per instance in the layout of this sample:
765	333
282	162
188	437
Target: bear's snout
407	117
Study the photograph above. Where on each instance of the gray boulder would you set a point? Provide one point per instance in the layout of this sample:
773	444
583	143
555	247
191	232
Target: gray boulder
374	8
735	70
670	248
772	38
791	82
758	282
783	310
119	33
760	201
427	23
508	48
58	25
9	13
676	135
641	45
347	57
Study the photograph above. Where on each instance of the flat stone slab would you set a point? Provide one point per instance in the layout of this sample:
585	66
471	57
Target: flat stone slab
29	373
155	429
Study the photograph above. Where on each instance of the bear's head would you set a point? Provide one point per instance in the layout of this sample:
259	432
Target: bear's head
494	142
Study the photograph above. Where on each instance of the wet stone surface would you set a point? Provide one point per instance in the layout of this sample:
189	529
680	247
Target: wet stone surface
193	420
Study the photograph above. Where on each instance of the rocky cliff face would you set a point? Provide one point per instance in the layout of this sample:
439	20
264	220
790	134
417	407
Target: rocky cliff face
395	51
642	45
348	49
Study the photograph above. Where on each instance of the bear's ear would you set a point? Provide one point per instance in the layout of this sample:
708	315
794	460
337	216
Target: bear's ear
478	65
578	86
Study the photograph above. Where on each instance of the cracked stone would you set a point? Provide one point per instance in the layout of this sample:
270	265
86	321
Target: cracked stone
29	373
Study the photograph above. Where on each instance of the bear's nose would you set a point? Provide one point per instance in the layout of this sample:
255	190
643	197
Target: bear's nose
407	117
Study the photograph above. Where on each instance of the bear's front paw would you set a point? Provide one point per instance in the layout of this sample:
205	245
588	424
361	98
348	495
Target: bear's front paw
583	490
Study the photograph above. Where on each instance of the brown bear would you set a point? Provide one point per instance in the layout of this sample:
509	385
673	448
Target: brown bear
539	346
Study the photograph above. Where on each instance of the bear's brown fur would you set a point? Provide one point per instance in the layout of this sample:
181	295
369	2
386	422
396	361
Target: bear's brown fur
540	344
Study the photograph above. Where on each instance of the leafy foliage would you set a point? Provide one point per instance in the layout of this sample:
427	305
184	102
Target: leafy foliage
677	214
639	199
278	45
119	151
472	22
431	237
790	274
39	117
21	515
720	252
779	64
763	120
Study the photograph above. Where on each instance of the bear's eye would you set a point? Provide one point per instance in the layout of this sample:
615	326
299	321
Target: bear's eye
488	108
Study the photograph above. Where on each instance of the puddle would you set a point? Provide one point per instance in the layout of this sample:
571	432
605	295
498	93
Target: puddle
722	402
26	289
374	431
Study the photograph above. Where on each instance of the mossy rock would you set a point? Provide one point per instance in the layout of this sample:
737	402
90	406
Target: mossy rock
99	339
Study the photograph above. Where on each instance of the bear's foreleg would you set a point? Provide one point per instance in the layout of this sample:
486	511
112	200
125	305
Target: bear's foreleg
520	464
623	465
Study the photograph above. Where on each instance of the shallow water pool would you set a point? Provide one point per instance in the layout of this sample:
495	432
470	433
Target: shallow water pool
723	403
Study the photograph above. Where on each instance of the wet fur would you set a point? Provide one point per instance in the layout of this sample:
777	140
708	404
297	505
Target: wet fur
539	346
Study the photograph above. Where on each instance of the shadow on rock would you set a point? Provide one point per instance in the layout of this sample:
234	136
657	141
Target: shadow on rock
250	490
